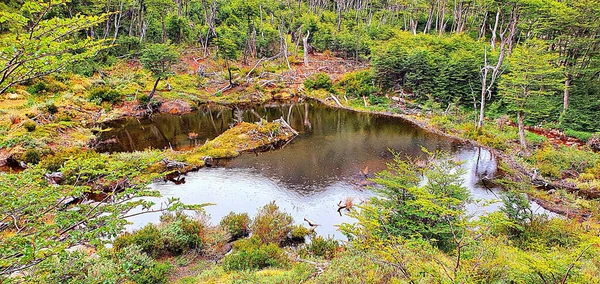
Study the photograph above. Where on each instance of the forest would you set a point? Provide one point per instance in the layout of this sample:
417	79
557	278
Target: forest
317	141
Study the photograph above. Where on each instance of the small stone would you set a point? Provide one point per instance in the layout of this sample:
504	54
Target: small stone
13	96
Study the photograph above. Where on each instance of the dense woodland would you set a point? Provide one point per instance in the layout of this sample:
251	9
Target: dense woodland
521	77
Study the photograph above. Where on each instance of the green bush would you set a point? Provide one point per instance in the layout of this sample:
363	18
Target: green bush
358	84
37	88
299	232
378	100
129	265
271	225
252	254
318	81
581	135
323	247
238	225
104	94
148	239
556	162
176	234
51	108
30	126
31	156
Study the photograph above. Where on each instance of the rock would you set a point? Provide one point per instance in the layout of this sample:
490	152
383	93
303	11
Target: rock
176	107
13	96
54	178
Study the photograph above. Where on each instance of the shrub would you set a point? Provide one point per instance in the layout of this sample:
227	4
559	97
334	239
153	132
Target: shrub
556	162
181	234
377	100
130	265
37	88
358	84
176	234
318	81
323	247
30	126
252	254
236	224
299	232
140	268
104	94
271	225
354	268
148	239
581	135
51	108
31	156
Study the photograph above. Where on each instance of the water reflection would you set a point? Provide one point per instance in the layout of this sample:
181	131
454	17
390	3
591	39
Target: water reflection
324	165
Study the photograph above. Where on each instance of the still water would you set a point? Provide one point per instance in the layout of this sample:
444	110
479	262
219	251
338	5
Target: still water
327	163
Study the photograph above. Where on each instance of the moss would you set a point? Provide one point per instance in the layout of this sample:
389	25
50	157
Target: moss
30	126
242	137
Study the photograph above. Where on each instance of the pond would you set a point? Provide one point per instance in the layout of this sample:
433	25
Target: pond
326	164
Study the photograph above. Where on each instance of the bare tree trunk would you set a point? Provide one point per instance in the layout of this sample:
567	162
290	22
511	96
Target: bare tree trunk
305	44
520	117
482	30
429	19
118	22
495	29
483	95
566	93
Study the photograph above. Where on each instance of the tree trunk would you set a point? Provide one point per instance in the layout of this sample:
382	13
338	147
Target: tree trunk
520	117
305	44
493	40
164	30
151	95
483	94
229	71
566	93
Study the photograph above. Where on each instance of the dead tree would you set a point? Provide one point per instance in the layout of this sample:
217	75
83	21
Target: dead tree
305	44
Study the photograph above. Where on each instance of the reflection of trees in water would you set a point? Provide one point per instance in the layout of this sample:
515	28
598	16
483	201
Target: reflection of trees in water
340	144
334	143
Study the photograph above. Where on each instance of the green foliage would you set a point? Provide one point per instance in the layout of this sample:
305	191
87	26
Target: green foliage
319	81
355	269
30	126
424	211
447	68
238	224
581	135
31	156
562	161
516	207
531	75
178	29
130	264
35	42
323	247
358	84
271	225
46	228
299	232
176	234
105	94
158	58
252	254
